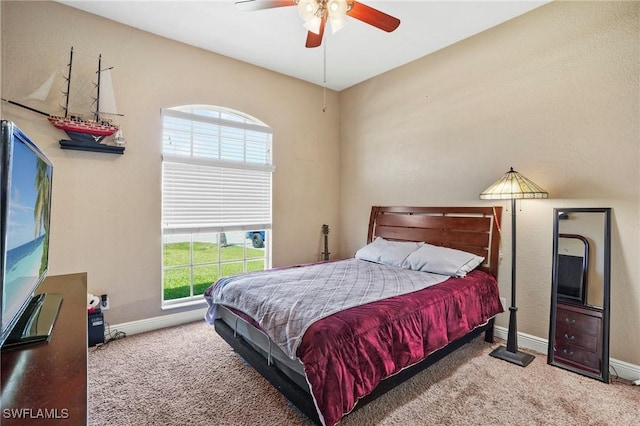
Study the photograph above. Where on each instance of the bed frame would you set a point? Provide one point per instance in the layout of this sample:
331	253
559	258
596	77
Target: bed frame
472	229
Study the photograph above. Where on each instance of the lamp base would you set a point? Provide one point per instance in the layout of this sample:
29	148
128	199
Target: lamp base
519	358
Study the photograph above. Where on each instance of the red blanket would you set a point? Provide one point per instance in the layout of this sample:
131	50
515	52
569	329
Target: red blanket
347	354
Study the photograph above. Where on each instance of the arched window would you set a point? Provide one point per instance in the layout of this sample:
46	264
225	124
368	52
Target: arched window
216	198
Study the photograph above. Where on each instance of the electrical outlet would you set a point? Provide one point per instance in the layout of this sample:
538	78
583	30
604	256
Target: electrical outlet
503	300
104	302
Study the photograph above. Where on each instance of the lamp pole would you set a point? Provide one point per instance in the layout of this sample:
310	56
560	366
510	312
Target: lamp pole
510	352
512	337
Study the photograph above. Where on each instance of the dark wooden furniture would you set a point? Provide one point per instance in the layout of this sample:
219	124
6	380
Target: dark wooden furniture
577	341
46	383
472	229
579	325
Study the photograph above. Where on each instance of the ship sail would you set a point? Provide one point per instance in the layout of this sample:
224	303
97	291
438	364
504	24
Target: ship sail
42	92
107	96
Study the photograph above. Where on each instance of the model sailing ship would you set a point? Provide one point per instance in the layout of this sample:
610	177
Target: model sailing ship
84	133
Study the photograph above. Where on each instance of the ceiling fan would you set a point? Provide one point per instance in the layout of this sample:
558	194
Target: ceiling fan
316	13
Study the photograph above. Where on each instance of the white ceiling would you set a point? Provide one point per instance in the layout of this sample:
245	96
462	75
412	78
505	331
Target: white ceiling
275	38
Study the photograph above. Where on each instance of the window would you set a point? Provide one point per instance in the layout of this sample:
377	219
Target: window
216	198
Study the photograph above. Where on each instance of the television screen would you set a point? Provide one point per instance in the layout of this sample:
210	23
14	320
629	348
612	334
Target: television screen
570	277
26	176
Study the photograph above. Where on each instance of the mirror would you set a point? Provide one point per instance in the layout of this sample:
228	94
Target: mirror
580	290
573	267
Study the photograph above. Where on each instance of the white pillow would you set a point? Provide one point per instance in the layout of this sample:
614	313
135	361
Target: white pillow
388	252
442	260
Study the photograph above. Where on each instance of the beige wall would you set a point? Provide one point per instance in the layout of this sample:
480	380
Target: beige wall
554	94
106	208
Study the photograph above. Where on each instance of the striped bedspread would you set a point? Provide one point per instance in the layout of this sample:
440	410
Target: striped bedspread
288	302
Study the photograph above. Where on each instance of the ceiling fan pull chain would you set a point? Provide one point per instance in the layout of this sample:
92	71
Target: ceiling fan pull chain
324	77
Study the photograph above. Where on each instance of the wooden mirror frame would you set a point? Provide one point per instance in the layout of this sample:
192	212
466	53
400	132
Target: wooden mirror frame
572	357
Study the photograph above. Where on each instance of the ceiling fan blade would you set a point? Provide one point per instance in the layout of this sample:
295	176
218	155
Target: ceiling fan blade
373	17
313	39
251	5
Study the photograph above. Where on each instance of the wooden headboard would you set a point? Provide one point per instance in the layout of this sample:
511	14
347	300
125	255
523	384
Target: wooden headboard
472	229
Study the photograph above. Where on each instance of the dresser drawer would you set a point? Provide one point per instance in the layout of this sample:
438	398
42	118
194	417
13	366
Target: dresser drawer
566	335
580	321
575	355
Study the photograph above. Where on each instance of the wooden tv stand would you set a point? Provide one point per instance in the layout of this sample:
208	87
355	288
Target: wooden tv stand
46	383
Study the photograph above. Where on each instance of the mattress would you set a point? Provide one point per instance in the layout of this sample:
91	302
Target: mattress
293	368
344	356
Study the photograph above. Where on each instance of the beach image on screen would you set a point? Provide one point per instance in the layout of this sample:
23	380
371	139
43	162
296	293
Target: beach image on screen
27	227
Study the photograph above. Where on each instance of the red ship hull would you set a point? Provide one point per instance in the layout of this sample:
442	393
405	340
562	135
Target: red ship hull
91	132
82	126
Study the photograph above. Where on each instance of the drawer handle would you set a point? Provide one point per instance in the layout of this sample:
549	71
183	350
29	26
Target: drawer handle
569	321
570	337
567	352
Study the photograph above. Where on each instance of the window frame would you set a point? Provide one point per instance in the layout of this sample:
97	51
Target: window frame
186	155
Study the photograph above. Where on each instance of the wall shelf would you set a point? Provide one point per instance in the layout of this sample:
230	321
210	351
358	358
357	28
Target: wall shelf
92	147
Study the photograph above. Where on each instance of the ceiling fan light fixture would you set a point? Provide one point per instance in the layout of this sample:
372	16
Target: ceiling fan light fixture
313	25
308	9
337	24
337	8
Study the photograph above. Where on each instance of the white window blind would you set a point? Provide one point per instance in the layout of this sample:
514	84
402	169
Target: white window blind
199	197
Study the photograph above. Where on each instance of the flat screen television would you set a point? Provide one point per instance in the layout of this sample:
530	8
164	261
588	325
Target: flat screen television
571	282
25	210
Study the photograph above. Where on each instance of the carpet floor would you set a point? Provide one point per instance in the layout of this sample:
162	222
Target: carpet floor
187	375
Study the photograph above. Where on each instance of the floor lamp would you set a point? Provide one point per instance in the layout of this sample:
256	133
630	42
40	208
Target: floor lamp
513	186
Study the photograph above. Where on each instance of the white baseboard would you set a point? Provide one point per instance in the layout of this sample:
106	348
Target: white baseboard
622	369
156	323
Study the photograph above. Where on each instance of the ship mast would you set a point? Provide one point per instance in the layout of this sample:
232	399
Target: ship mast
97	117
66	105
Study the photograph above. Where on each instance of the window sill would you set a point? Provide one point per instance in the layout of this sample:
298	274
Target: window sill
197	303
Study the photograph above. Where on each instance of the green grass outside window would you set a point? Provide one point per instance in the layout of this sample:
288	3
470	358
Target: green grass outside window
177	279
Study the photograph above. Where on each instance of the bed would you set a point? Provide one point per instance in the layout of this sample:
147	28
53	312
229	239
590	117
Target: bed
329	345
